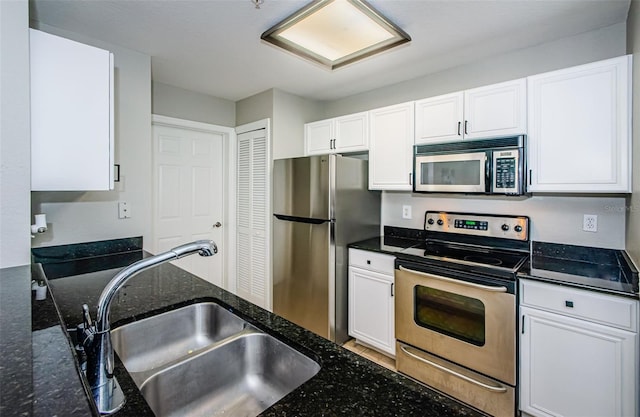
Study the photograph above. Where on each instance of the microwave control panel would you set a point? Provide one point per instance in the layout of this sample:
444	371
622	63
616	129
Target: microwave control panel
506	175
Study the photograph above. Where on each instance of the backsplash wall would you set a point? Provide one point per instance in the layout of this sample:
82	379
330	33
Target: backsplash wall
556	219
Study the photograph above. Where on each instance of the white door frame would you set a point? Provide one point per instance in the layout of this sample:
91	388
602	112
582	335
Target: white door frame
228	182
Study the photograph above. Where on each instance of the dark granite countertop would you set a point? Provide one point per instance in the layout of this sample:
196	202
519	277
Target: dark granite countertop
597	269
346	384
609	271
394	241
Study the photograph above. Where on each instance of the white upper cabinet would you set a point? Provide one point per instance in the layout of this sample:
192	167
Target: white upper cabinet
439	119
495	110
391	132
71	115
341	134
580	128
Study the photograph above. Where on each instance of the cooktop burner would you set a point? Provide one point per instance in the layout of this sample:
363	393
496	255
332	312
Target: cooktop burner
469	255
474	243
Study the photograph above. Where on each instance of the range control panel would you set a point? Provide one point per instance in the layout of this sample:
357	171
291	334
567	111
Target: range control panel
506	227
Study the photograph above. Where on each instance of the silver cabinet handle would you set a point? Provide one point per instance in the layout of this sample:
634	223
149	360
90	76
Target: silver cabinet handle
218	224
498	388
455	281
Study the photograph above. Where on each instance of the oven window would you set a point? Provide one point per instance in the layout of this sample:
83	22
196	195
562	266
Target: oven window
452	314
451	172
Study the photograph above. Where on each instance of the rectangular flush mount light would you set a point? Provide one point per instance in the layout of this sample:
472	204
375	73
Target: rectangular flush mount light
335	33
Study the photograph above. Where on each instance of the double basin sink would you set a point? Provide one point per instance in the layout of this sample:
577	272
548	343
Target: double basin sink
203	360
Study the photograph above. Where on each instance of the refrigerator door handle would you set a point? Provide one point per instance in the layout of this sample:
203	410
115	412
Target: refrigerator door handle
299	219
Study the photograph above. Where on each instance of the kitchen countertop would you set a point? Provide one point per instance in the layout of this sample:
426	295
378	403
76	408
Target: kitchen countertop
608	271
43	378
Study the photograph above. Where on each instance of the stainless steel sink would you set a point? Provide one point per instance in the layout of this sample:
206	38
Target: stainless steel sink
242	377
160	340
202	360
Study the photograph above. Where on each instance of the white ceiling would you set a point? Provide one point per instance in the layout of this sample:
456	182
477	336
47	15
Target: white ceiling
214	46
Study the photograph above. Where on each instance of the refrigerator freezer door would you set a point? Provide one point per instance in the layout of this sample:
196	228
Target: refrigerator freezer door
301	260
301	187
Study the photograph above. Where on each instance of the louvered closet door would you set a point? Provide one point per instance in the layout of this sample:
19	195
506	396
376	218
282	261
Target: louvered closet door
253	226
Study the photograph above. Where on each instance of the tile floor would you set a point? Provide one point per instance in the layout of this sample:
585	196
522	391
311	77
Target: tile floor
370	354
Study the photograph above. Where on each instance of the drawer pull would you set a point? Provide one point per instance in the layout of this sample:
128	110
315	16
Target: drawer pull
489	288
568	303
498	388
368	262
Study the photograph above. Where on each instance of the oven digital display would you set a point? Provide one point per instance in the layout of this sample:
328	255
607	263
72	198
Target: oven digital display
470	224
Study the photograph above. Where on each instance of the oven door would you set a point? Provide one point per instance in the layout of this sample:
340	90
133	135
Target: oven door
471	324
455	172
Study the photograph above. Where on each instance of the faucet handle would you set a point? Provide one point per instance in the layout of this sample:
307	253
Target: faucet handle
86	317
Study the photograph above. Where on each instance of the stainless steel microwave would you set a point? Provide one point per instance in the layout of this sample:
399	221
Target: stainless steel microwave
491	166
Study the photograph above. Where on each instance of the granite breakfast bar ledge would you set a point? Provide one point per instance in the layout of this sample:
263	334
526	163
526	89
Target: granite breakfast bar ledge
346	384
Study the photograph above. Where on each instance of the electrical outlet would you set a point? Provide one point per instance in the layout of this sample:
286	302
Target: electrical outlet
406	212
590	223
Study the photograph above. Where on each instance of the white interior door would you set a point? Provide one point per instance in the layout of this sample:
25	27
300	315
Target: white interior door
189	173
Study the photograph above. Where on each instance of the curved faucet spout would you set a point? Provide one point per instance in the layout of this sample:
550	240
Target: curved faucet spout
98	339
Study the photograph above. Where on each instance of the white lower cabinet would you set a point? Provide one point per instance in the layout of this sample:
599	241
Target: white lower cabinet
572	364
371	308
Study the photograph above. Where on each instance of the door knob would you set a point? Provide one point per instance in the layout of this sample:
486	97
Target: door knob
218	224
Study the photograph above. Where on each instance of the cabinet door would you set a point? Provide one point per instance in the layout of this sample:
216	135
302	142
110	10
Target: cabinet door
571	367
391	132
351	133
496	110
318	137
371	312
71	115
579	128
439	119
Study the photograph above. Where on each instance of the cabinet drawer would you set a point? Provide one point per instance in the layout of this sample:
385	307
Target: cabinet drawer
372	261
601	308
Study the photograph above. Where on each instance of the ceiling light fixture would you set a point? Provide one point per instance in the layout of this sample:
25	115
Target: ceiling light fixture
257	3
335	33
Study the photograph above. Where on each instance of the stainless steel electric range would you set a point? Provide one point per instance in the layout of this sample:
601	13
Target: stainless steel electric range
456	309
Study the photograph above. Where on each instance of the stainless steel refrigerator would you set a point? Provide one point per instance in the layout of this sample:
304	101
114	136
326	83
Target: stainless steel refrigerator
320	205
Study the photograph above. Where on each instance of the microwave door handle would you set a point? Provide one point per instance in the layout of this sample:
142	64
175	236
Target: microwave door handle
455	281
488	177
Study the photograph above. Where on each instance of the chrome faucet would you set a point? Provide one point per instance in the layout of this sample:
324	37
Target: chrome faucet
96	338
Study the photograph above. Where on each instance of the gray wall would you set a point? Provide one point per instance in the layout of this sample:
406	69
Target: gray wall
633	204
88	216
257	107
15	139
288	114
171	101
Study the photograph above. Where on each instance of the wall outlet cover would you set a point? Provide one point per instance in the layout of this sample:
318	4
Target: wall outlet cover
406	212
590	223
123	210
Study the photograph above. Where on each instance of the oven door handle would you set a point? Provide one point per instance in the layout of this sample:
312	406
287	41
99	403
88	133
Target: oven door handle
457	281
498	388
